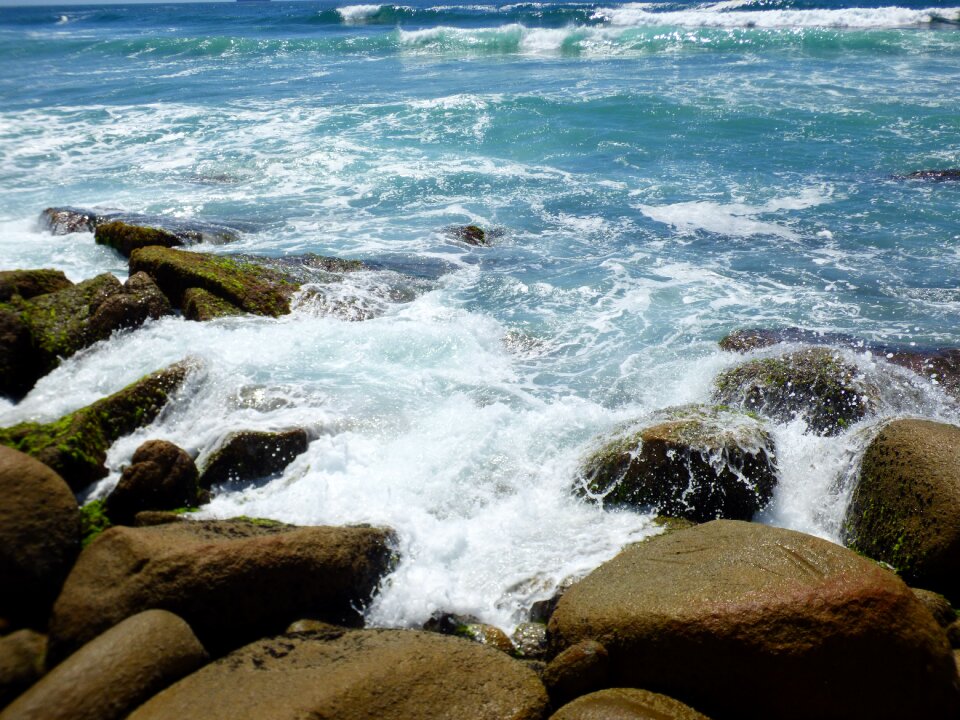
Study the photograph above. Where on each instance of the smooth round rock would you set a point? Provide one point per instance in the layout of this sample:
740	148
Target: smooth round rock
21	662
626	704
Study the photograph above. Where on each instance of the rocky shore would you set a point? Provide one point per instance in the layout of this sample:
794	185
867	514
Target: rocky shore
128	607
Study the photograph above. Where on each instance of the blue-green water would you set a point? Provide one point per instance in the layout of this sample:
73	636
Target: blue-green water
658	175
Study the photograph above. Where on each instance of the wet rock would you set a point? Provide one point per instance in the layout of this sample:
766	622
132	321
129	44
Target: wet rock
747	339
39	536
814	384
161	476
313	626
530	640
935	175
141	300
626	704
114	673
577	670
21	663
388	674
447	623
250	454
694	462
248	286
905	507
733	617
488	635
30	283
125	238
306	268
938	606
201	305
231	580
541	610
149	518
66	220
470	234
76	445
18	371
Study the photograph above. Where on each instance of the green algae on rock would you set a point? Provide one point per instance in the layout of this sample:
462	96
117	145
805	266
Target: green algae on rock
815	384
76	445
202	305
695	462
125	237
246	285
30	283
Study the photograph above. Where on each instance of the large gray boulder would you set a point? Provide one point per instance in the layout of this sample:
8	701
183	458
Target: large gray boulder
114	673
356	675
744	620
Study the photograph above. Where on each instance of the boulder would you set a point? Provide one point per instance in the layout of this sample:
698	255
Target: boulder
694	462
733	618
21	663
530	640
114	673
251	454
76	445
201	305
905	508
141	300
469	234
30	283
579	669
39	536
354	675
232	580
65	220
938	606
125	238
814	384
18	371
246	285
161	476
626	704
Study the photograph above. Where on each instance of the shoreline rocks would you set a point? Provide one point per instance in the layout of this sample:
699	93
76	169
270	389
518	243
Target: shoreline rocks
160	476
248	454
67	220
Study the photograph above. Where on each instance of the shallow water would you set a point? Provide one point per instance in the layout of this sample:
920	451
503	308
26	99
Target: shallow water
662	173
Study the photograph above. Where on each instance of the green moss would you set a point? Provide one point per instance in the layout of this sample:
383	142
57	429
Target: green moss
202	305
125	238
261	522
93	520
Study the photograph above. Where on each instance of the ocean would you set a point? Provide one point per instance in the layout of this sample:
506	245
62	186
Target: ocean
653	176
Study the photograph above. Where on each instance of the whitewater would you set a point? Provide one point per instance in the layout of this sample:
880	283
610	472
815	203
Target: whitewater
653	176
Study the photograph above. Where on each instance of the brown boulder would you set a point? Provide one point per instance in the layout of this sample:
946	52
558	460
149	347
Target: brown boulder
114	673
125	237
21	663
905	508
232	580
252	454
579	669
141	300
39	535
30	283
354	675
161	476
938	606
626	704
734	617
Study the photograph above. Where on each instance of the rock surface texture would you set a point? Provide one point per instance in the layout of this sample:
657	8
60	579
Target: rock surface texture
349	675
252	454
905	508
114	673
21	663
626	704
160	476
745	620
232	580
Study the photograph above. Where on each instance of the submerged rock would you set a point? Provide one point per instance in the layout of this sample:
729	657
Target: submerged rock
125	238
695	462
626	704
250	454
354	675
39	536
161	476
734	617
935	175
65	220
470	234
905	508
30	283
76	445
232	580
116	672
815	384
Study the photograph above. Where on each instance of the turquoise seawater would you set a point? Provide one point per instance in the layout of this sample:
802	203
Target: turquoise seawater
655	174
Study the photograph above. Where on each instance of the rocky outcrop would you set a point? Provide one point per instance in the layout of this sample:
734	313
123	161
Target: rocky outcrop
21	663
76	445
65	220
251	454
125	238
246	285
231	580
815	384
37	334
114	673
626	704
160	476
469	234
39	536
695	462
935	175
30	283
732	618
354	675
201	305
905	508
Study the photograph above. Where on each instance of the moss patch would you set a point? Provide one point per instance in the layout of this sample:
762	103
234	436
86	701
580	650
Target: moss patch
30	283
125	238
93	521
202	305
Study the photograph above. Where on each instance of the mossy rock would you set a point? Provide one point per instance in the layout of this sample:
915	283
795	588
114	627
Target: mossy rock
30	283
814	384
905	508
125	237
694	462
202	305
76	445
247	285
18	368
93	520
252	454
470	234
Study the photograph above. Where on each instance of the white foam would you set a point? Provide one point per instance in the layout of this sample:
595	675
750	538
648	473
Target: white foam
358	13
